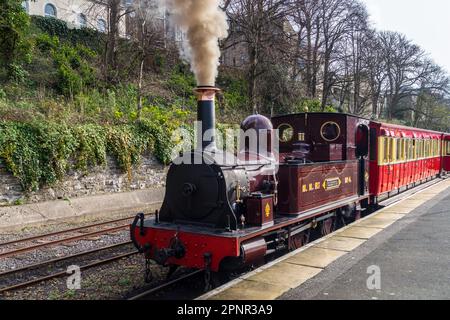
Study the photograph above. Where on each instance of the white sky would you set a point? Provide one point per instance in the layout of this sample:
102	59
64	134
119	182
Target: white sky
425	22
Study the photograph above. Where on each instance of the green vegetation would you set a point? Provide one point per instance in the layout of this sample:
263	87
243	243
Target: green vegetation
58	113
15	48
40	153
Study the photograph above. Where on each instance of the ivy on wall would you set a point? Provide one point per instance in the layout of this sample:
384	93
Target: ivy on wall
40	153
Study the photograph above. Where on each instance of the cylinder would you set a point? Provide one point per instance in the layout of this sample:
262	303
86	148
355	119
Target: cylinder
254	250
206	116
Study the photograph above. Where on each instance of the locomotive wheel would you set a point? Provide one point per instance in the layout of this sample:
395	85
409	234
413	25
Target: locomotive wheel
328	226
172	270
358	215
299	240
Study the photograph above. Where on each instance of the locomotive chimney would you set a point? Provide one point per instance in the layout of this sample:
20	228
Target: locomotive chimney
206	115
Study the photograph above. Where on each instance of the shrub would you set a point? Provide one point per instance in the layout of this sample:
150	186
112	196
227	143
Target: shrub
47	43
41	153
311	105
74	70
182	84
15	45
51	26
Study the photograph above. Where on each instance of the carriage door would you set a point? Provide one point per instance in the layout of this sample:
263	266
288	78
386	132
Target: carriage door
446	153
362	152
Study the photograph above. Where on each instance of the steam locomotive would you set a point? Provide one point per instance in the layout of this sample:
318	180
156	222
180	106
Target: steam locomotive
220	216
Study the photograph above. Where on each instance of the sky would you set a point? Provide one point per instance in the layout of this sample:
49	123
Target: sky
425	22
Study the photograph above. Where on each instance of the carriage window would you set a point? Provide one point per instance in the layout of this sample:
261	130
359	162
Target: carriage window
424	147
407	149
392	150
448	148
417	149
398	146
410	150
330	131
421	149
387	149
404	149
382	150
286	132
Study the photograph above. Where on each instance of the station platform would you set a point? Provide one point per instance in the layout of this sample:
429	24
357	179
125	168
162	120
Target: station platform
400	252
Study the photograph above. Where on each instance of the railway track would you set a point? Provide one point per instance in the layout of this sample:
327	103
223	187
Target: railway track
82	234
60	271
39	272
166	285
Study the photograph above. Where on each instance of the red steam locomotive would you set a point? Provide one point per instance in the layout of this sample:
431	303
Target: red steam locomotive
218	216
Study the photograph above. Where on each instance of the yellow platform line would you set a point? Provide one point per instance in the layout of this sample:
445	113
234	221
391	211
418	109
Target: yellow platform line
278	277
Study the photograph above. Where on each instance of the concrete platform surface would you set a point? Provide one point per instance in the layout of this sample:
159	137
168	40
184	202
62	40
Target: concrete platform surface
400	252
17	217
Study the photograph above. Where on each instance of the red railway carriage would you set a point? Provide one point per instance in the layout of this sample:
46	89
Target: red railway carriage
402	157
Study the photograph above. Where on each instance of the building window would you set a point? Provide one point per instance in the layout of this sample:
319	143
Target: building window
26	6
82	20
101	25
50	10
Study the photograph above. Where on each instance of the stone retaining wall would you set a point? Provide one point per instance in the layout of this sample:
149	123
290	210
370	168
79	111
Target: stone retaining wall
99	181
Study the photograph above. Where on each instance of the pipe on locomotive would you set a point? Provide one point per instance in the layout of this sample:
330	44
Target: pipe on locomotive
206	115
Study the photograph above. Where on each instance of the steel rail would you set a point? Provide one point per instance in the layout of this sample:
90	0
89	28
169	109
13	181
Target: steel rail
59	241
63	273
42	236
164	285
76	255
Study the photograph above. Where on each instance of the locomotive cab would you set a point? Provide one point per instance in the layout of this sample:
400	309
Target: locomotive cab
323	159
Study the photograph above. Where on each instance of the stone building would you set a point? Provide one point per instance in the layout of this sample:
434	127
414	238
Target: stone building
76	13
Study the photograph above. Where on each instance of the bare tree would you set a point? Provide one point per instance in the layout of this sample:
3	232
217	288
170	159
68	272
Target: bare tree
147	29
308	54
337	17
375	66
408	69
260	26
115	13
